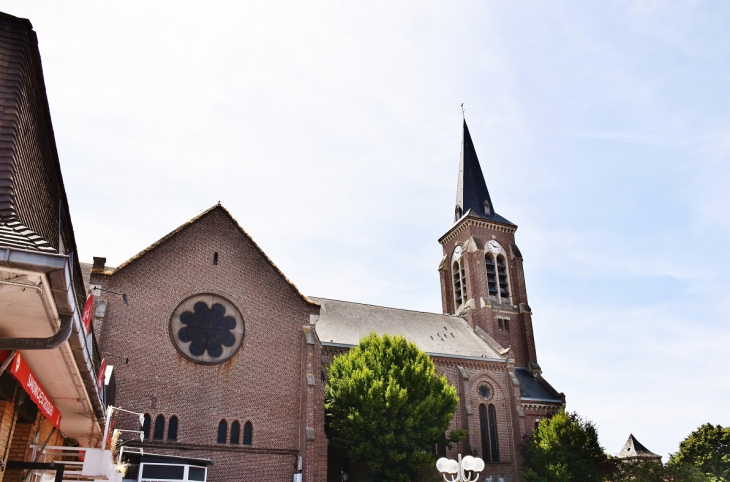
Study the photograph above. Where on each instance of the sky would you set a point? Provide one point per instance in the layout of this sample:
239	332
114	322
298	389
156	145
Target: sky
331	131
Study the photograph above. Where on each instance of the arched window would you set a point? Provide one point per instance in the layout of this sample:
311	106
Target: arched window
146	426
459	282
248	433
457	213
491	274
172	428
159	428
488	429
503	282
493	443
236	433
222	431
487	208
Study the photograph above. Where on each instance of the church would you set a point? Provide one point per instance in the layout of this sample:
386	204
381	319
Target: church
229	359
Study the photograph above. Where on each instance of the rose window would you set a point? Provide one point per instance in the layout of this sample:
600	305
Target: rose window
207	329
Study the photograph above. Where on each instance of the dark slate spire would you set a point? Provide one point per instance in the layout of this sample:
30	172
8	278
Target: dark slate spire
472	193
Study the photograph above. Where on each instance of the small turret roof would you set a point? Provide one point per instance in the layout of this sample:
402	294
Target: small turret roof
472	195
633	450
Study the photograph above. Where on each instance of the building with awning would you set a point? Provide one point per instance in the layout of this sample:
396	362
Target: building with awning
52	380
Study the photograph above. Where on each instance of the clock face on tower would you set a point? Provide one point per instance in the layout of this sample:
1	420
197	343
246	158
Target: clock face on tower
457	253
494	247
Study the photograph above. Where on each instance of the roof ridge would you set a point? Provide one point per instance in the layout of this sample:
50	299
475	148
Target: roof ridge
388	307
197	218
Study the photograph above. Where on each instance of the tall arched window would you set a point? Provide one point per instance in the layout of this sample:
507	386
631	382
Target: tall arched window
236	433
488	429
503	281
222	431
146	426
172	428
459	282
248	433
159	428
491	274
493	443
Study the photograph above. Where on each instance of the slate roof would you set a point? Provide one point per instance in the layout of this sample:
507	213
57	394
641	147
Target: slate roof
471	190
345	323
532	389
633	449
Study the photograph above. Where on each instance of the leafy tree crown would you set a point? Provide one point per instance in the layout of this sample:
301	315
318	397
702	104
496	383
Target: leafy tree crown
387	407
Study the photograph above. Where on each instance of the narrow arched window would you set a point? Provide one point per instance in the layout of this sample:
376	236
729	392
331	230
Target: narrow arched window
222	431
488	432
484	430
146	426
172	428
236	433
248	433
493	443
159	428
491	274
503	282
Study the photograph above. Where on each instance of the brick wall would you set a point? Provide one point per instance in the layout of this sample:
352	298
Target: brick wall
486	315
265	382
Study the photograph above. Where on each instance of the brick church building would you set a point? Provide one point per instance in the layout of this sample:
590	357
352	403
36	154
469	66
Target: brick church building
228	359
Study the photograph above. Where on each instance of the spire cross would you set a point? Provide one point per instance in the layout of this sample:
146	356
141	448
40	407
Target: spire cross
462	110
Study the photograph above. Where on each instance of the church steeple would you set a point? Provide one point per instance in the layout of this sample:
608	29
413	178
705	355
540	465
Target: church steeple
472	195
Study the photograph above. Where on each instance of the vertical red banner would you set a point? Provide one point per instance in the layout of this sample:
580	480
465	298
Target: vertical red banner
100	376
86	314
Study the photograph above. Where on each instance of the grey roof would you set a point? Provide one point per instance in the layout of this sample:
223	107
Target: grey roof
13	234
532	389
471	190
634	449
345	323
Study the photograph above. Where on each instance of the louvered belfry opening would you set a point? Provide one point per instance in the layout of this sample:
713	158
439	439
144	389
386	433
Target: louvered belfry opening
502	272
459	283
491	275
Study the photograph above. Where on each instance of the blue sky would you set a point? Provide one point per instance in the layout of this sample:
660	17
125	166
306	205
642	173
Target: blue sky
331	131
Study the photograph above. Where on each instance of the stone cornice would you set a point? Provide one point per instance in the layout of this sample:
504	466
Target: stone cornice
476	222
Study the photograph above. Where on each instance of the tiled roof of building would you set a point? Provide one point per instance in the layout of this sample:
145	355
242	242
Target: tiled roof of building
15	235
532	389
471	191
345	323
633	450
30	178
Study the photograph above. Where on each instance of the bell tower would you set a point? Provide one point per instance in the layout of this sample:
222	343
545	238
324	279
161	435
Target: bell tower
481	270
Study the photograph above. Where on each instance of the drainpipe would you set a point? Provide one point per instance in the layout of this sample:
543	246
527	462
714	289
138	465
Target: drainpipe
61	336
57	269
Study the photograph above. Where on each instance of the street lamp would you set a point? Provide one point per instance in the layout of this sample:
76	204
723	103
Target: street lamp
457	470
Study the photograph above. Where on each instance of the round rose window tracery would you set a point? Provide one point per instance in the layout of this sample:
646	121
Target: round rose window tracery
207	329
485	390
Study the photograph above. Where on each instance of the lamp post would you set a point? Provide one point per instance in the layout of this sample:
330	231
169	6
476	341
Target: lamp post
457	470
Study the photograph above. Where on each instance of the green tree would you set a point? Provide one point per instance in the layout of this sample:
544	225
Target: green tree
708	450
565	448
654	471
386	407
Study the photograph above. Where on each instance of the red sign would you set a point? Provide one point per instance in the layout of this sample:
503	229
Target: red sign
100	375
21	371
86	314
